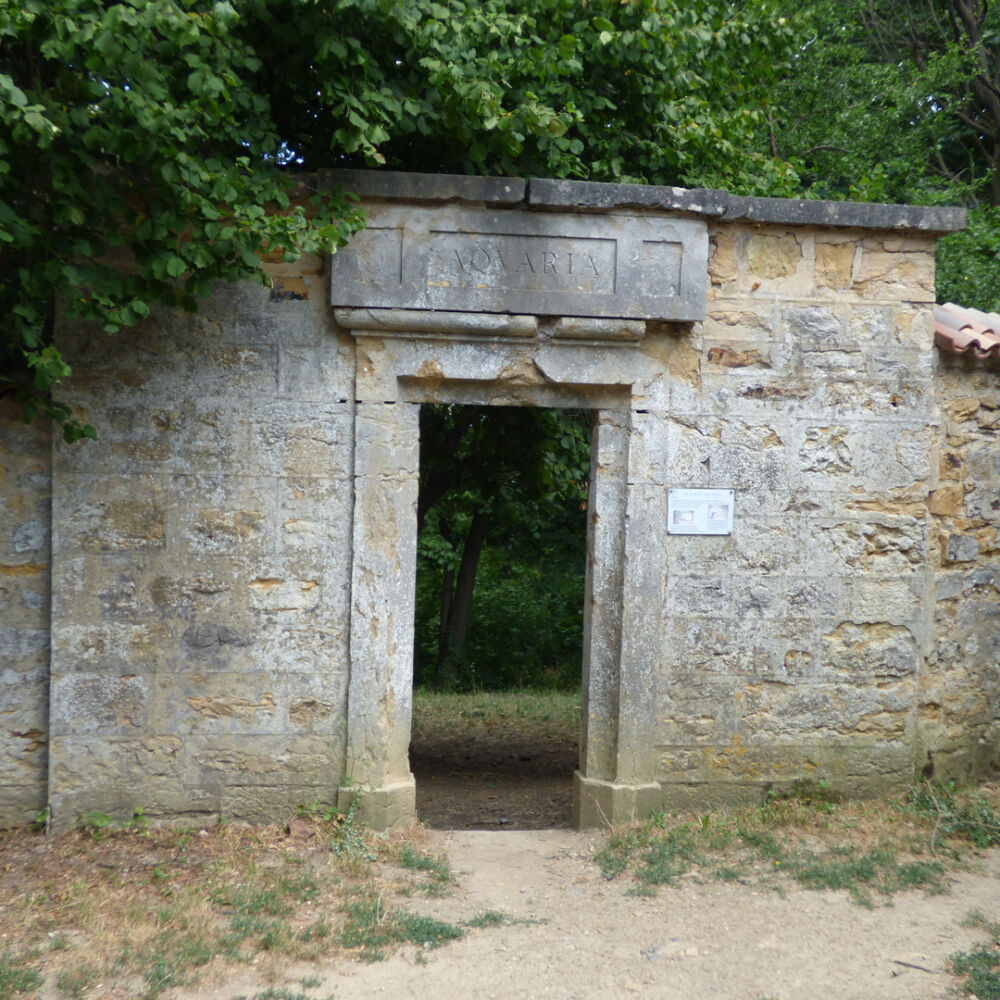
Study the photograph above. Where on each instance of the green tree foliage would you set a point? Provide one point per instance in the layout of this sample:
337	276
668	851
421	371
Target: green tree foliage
136	166
662	91
145	145
503	495
899	101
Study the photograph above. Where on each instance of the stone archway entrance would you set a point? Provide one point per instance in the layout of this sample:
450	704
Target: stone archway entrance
453	304
408	358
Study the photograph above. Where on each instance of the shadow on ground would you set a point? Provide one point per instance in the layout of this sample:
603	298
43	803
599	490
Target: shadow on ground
503	780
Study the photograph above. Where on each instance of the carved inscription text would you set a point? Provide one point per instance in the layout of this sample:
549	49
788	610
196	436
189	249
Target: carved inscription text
538	263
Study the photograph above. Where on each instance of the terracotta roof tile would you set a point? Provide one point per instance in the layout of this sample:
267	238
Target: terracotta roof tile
967	331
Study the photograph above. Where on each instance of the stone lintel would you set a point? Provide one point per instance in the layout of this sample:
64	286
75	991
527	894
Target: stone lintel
391	185
457	258
409	322
607	803
388	807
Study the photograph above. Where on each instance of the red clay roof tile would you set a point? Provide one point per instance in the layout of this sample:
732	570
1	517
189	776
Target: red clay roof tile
967	331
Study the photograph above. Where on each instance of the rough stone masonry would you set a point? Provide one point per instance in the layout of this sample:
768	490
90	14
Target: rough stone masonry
209	611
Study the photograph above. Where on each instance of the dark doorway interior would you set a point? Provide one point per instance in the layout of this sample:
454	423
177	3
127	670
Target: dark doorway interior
499	614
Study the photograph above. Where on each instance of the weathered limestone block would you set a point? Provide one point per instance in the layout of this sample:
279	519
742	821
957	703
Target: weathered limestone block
89	702
736	771
819	328
602	597
960	548
824	449
748	320
317	373
223	514
874	650
104	513
894	599
771	256
294	438
834	262
722	263
904	275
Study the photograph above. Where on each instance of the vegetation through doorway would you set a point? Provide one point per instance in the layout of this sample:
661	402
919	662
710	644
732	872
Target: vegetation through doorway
499	613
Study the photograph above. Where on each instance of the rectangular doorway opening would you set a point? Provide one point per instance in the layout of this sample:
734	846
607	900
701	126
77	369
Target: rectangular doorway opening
499	622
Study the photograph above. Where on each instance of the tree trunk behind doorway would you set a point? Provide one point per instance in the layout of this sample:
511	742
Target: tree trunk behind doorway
456	602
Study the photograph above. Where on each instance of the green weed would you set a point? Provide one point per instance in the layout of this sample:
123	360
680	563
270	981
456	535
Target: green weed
436	866
761	843
16	978
318	931
280	994
490	918
494	918
973	820
75	981
97	824
350	842
980	968
371	926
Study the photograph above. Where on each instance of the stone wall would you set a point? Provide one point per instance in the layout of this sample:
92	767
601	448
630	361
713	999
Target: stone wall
218	553
959	707
199	659
25	498
793	648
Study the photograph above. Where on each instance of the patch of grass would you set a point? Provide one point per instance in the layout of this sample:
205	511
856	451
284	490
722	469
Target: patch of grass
494	918
980	968
145	910
806	834
170	960
550	714
371	926
489	918
16	977
435	866
74	982
972	819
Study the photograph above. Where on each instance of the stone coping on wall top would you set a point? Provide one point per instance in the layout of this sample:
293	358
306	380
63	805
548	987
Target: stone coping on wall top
589	196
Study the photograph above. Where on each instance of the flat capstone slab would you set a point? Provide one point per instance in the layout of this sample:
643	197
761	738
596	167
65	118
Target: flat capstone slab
456	258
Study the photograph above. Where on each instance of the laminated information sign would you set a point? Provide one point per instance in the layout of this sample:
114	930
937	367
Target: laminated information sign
700	512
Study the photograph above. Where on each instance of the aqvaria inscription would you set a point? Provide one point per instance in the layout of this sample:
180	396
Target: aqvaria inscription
522	262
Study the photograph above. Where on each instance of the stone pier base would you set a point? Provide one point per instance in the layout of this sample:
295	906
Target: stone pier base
606	803
387	807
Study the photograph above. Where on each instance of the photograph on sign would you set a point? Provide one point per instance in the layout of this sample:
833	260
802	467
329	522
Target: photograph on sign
700	512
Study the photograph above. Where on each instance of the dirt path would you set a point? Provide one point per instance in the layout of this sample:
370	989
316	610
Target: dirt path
583	937
508	780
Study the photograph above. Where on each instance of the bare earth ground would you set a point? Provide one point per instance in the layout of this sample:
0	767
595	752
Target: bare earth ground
496	780
577	935
583	937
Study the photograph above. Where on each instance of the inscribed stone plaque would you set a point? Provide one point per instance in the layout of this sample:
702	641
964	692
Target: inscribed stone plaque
464	260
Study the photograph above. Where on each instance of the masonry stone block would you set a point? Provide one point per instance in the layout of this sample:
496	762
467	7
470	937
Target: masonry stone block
961	548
